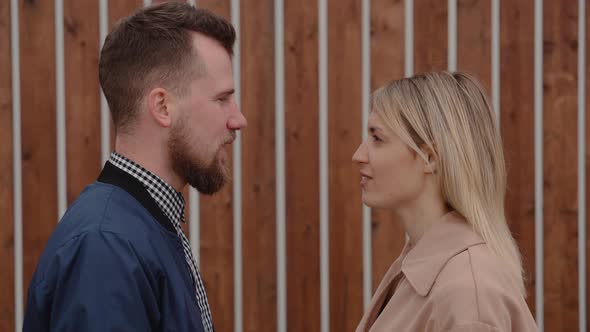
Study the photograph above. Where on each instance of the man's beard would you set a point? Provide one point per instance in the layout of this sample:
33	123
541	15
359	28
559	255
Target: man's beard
207	179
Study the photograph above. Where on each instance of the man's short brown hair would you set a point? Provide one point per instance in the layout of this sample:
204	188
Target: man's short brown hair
154	47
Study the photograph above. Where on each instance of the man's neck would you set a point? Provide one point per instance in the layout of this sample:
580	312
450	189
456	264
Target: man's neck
152	157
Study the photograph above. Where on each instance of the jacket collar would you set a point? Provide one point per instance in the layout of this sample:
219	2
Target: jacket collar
444	240
113	175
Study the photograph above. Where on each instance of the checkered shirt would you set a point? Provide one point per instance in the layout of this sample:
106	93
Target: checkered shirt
172	204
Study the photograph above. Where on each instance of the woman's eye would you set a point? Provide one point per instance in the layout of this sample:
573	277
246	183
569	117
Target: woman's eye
376	138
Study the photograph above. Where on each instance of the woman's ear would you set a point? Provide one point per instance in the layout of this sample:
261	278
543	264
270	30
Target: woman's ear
430	162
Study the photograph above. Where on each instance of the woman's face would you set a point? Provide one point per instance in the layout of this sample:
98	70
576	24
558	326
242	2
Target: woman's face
392	174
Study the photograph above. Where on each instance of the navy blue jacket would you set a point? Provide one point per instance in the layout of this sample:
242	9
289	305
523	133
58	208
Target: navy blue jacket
113	263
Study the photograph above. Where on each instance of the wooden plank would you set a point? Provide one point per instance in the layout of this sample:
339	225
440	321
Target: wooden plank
258	166
560	41
81	43
587	156
344	133
302	147
217	238
162	1
387	63
219	7
517	126
6	174
39	160
430	35
122	8
474	35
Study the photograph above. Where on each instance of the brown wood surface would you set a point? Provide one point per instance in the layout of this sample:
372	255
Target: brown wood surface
587	155
122	8
344	136
302	165
82	95
258	166
560	208
387	64
430	35
39	160
6	174
162	1
216	230
474	40
517	125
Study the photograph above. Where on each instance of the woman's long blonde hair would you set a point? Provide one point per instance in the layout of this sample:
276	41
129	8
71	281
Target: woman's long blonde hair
450	114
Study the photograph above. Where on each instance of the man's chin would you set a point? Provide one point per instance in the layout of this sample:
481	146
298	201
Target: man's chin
206	190
223	164
212	182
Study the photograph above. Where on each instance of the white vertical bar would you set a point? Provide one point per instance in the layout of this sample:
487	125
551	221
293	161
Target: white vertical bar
147	3
452	35
17	167
237	176
280	164
366	86
409	37
496	58
238	311
538	86
60	109
194	223
105	130
323	126
582	163
195	209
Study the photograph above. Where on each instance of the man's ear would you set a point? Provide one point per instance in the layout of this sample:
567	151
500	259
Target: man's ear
158	101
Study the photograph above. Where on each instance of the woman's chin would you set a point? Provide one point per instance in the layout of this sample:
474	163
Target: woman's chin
368	201
377	201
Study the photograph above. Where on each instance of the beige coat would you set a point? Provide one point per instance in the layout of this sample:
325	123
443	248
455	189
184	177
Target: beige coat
450	281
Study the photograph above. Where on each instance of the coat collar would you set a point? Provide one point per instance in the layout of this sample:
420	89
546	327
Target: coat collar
113	175
444	240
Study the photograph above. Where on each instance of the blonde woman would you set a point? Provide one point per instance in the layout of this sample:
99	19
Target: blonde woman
433	155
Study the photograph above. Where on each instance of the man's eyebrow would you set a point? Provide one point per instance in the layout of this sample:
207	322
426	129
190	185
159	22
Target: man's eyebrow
225	93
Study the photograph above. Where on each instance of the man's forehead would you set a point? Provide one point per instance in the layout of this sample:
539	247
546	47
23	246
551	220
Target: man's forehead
203	43
213	59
